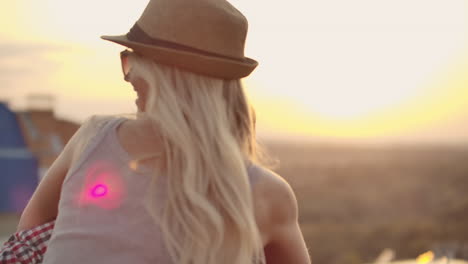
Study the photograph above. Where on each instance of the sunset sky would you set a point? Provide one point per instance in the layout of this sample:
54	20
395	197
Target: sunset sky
376	71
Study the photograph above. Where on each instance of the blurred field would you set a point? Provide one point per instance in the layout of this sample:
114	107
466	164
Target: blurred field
356	201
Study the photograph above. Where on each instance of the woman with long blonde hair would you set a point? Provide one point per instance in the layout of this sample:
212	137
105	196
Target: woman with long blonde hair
181	182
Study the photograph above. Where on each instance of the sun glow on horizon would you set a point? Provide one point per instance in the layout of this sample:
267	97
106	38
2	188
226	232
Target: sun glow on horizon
445	98
374	70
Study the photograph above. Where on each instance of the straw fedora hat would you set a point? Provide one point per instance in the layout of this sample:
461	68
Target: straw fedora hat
202	36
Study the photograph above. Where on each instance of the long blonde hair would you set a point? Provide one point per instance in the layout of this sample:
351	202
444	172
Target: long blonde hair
206	127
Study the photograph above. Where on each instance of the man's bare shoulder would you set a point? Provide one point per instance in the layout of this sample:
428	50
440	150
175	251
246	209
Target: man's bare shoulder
266	179
275	194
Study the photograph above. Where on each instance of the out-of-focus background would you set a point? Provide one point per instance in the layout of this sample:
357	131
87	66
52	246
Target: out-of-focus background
364	103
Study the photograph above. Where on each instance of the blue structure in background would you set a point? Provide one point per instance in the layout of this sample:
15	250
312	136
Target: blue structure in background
18	166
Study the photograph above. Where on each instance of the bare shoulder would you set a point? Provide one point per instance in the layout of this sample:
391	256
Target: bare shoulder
274	201
277	193
283	239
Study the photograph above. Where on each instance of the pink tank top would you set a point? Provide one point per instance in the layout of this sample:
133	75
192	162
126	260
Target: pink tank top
101	217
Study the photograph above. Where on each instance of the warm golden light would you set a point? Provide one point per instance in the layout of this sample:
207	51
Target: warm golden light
425	258
133	165
379	70
78	21
440	98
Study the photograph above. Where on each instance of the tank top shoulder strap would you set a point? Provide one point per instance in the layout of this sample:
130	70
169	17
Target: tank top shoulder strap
89	135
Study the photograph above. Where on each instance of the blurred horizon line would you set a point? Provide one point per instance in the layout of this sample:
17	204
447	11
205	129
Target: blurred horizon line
276	136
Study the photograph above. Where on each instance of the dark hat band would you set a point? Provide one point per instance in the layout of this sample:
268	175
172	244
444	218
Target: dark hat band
136	34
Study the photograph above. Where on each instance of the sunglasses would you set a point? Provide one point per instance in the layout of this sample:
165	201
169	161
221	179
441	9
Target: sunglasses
126	66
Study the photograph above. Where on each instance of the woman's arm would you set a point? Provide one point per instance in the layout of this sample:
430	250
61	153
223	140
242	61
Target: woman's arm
286	243
43	205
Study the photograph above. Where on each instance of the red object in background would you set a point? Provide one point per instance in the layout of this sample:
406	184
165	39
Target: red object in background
27	246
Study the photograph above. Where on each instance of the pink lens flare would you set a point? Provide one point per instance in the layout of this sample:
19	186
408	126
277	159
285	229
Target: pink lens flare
99	190
103	186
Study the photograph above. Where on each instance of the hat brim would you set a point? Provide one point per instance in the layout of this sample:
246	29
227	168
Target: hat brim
199	63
